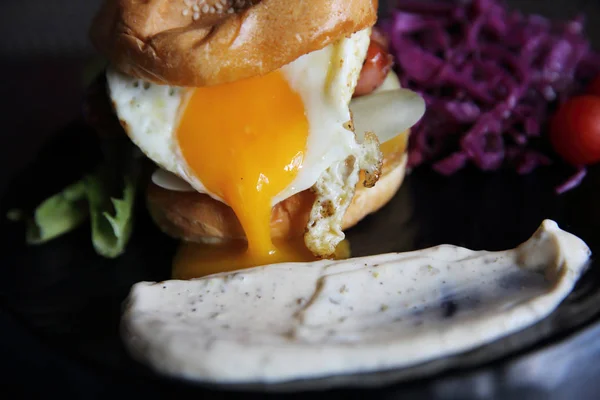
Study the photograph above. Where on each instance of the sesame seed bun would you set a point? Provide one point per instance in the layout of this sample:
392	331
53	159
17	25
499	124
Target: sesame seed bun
208	42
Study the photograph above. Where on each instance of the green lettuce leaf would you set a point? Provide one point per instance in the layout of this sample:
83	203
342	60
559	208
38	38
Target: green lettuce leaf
106	197
111	217
58	214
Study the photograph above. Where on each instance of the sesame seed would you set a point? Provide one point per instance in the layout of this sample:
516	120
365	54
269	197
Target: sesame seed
231	10
196	16
212	10
219	6
185	12
195	8
205	8
188	2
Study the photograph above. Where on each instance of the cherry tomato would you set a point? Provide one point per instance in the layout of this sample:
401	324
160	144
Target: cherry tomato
594	86
575	130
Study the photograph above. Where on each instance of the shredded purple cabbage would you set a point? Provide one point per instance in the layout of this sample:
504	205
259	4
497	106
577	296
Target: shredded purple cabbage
573	181
490	78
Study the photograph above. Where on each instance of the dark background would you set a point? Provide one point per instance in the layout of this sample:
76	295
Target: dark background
44	56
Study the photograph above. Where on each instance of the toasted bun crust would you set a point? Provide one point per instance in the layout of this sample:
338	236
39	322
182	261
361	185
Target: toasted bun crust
196	217
183	43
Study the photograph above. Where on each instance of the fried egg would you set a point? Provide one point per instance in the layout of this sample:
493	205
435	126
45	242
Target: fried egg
255	142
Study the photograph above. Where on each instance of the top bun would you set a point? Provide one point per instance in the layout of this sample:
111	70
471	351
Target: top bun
209	42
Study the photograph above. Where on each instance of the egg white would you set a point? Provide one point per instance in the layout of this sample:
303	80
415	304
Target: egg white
389	111
324	79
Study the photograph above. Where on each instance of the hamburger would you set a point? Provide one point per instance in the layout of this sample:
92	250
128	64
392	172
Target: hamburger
273	125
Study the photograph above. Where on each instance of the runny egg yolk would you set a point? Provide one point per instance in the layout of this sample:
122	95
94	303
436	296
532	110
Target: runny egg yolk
245	141
395	145
194	260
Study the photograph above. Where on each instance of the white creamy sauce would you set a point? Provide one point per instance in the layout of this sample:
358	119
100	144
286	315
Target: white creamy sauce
307	320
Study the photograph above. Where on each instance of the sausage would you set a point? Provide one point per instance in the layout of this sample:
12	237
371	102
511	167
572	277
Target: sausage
376	67
378	37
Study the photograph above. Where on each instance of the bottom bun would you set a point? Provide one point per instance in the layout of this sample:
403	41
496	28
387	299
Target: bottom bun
196	217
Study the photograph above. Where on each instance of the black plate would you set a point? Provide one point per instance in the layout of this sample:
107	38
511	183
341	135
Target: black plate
64	302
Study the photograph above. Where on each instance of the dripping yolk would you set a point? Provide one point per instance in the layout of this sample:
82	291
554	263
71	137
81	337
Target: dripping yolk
395	145
194	259
245	141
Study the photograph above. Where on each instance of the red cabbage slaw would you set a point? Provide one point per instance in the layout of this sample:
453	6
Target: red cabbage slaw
490	78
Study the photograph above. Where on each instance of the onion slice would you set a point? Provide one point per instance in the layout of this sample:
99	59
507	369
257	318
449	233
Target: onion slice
170	181
386	113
